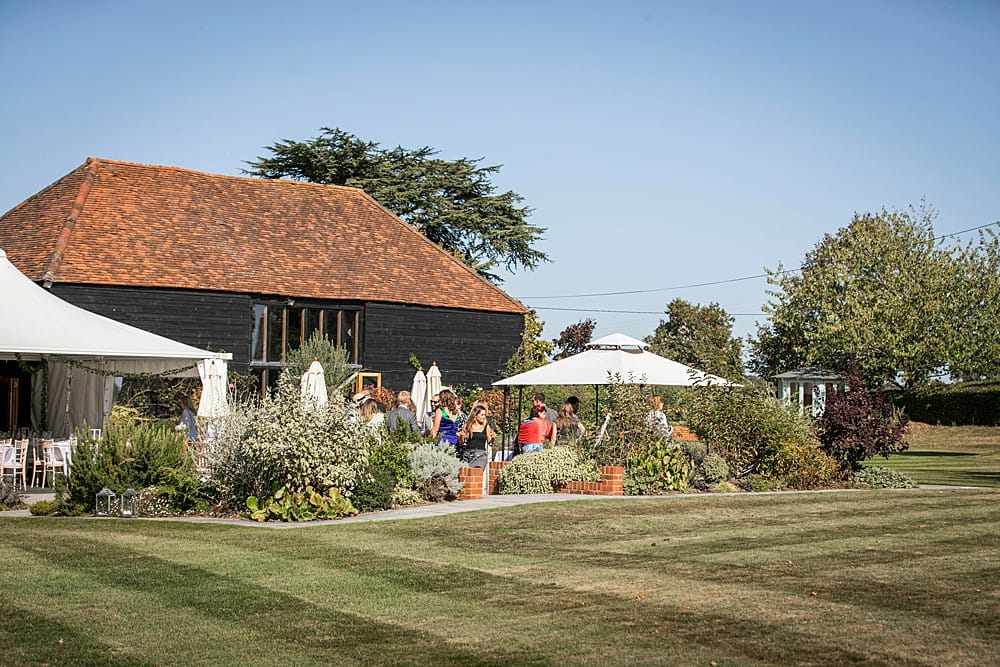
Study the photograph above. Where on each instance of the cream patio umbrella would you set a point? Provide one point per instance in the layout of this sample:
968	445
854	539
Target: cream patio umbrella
214	379
314	385
433	384
418	394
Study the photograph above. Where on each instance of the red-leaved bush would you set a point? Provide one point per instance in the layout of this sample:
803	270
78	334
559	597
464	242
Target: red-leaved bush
859	423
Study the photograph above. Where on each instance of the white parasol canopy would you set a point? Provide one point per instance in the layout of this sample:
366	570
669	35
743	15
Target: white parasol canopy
81	349
433	385
418	393
615	355
314	384
214	385
41	324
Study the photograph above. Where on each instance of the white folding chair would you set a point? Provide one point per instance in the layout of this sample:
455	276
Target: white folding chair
15	462
46	461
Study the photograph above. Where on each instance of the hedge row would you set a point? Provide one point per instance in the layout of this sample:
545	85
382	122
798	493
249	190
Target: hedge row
964	404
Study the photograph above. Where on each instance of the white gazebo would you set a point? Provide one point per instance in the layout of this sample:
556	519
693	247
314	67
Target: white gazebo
613	356
807	387
83	351
611	359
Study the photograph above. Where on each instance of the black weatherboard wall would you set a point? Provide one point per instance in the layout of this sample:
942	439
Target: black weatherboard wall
215	321
469	346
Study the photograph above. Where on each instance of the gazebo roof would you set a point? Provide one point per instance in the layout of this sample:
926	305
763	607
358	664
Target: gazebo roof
808	373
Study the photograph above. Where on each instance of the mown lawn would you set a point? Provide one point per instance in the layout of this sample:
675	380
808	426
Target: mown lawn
864	577
956	455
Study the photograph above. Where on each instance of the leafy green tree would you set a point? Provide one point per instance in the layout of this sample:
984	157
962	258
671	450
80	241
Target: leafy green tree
883	291
451	202
533	350
335	361
977	302
699	336
574	338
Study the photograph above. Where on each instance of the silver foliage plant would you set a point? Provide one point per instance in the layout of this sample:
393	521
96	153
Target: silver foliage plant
277	440
436	460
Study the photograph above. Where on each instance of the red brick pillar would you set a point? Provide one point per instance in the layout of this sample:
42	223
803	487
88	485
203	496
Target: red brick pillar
494	472
612	478
472	483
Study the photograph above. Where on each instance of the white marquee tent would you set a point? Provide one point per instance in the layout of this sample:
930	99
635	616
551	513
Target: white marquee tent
615	355
38	325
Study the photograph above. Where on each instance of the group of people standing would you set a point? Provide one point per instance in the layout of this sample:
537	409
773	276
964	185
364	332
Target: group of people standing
472	435
546	426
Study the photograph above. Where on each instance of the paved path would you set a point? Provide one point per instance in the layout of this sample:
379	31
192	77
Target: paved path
442	509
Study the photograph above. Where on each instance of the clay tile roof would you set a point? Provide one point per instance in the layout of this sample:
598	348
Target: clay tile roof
118	223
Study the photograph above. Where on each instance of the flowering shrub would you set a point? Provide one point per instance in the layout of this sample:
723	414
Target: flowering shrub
543	471
279	440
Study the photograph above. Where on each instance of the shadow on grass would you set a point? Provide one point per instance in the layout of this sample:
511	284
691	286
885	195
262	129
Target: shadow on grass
931	454
290	630
27	638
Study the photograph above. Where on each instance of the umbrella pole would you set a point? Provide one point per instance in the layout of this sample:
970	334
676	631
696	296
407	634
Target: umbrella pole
520	392
506	420
597	404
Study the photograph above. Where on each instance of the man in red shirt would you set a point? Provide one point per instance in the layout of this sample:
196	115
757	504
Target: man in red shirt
533	433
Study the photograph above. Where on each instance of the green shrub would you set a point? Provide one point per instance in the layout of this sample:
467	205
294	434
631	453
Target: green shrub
661	467
543	471
10	497
960	404
694	450
393	454
715	468
628	434
800	466
335	362
44	507
436	467
131	455
725	487
280	440
878	477
746	425
405	496
375	490
759	483
306	505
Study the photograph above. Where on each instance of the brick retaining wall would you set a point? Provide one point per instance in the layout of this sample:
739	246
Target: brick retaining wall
474	483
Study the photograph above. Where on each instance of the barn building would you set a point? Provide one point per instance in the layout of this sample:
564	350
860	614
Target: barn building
253	267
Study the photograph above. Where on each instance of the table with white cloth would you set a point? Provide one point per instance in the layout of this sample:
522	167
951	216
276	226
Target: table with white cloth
63	451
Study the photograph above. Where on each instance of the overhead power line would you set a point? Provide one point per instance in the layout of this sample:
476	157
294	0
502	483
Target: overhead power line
708	284
631	312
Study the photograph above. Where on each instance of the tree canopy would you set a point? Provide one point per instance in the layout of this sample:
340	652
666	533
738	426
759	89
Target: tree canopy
886	293
533	351
574	338
452	202
699	336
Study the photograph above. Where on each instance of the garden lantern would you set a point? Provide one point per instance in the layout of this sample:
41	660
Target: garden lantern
103	502
130	504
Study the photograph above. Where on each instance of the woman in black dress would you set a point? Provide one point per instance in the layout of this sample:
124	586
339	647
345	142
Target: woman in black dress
474	439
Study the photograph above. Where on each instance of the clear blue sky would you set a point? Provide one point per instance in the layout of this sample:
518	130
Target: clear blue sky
661	144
